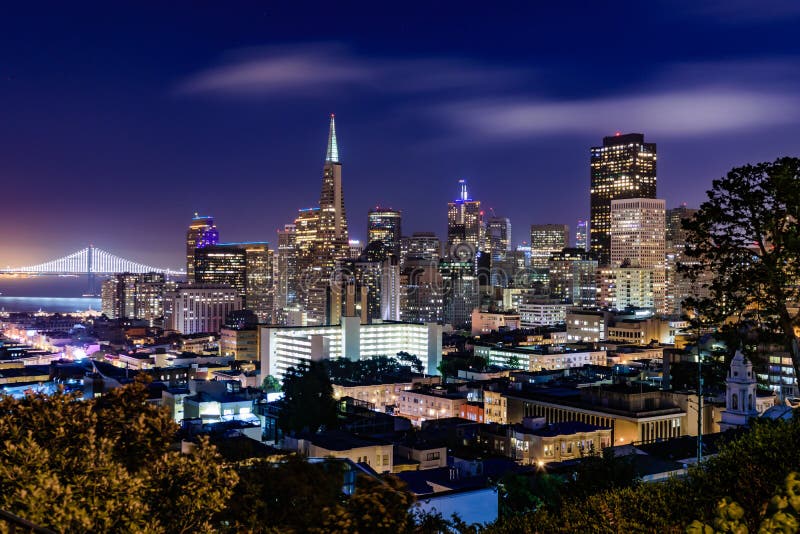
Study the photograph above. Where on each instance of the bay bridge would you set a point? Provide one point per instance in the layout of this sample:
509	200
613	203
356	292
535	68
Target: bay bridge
89	261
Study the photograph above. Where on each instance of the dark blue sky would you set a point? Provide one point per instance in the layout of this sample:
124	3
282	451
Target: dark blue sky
119	120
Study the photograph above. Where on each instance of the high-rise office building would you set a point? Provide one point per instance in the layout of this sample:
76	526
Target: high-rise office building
624	167
202	233
638	235
547	239
356	249
678	285
582	234
421	245
422	291
384	225
260	290
245	267
676	235
573	277
196	308
465	230
460	289
285	273
330	242
498	237
222	264
134	296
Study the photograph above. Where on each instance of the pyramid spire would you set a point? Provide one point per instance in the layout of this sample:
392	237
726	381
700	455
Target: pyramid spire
332	155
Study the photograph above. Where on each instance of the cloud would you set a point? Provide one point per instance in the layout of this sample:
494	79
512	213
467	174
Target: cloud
695	112
680	99
308	70
473	100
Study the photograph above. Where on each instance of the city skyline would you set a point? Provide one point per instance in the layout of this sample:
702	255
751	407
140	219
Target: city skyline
154	133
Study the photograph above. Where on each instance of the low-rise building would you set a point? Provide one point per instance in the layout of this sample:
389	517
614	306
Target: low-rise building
241	343
378	454
535	442
533	314
381	393
541	358
424	404
635	413
484	322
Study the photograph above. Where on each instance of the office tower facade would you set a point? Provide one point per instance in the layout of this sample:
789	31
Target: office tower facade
367	289
222	264
134	296
465	230
330	241
421	245
202	233
285	273
582	234
384	225
638	234
624	167
260	291
498	237
199	308
573	277
547	239
246	267
355	250
460	290
422	292
678	285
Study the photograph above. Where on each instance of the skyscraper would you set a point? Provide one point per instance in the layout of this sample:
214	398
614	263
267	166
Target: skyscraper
202	233
498	237
582	234
464	226
331	241
624	167
420	246
222	264
285	273
638	243
547	239
573	277
245	267
678	285
332	229
384	224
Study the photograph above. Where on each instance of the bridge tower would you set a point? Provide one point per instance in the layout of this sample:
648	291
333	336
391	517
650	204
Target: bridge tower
90	276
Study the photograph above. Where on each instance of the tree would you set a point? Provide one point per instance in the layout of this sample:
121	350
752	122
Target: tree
411	360
280	497
271	384
746	239
379	506
105	465
309	405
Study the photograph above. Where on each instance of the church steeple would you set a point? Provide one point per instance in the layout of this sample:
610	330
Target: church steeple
332	154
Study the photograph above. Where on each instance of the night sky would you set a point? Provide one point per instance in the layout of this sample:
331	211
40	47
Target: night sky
119	120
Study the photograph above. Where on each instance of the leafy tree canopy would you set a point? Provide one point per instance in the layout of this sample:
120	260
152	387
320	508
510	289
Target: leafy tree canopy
744	241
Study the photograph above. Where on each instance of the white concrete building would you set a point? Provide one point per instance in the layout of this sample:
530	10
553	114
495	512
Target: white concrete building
542	314
282	347
196	308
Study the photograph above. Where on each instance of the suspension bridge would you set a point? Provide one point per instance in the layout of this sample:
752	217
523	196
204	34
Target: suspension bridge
89	261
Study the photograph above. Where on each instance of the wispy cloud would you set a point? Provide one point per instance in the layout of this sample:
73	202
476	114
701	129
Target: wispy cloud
474	100
308	70
695	112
